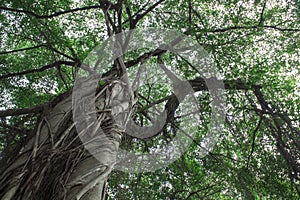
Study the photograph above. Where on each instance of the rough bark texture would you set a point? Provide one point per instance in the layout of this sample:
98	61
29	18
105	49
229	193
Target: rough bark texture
54	163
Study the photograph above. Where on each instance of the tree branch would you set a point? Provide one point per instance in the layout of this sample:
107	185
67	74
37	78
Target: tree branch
249	27
49	16
15	112
253	140
18	50
199	84
261	20
140	16
103	5
55	64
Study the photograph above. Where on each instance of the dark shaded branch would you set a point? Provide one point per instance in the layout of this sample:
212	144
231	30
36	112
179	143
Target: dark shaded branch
260	97
277	131
22	111
61	53
134	15
103	5
109	22
151	104
15	129
284	150
248	27
119	13
197	191
190	12
199	84
37	108
144	57
199	17
128	11
36	47
260	24
282	29
18	50
140	16
253	140
261	20
55	64
60	74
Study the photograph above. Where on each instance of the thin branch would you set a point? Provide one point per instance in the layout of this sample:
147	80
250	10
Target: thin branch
119	13
109	22
140	16
134	15
55	14
130	19
249	27
55	64
253	140
190	12
277	133
282	29
36	47
62	77
197	191
261	21
14	128
199	17
18	50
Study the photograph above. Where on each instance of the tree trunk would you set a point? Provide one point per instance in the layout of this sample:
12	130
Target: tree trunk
54	163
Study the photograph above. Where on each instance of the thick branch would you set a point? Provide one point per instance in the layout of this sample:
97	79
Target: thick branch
15	112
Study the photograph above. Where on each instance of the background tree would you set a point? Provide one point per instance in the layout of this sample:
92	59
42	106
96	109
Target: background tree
255	45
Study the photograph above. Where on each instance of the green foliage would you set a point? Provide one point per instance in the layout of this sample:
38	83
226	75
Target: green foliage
264	54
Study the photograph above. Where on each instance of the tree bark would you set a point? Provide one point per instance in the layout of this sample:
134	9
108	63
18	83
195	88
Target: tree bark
55	165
